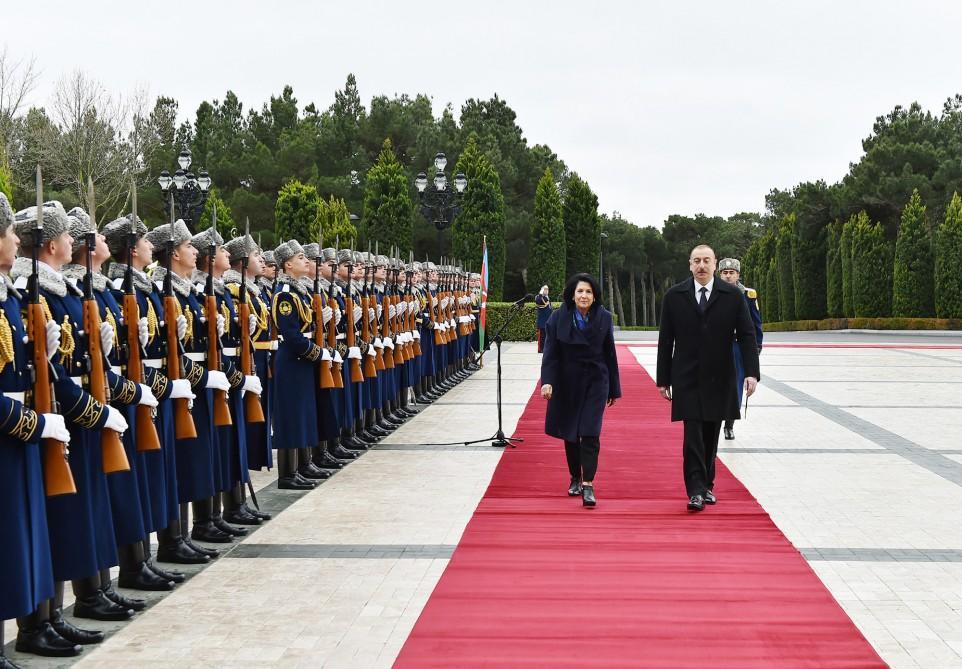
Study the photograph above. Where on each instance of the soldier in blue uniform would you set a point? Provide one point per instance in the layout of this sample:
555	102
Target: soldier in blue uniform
80	525
730	270
26	574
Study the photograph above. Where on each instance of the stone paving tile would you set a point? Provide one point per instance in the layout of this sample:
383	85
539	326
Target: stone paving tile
939	430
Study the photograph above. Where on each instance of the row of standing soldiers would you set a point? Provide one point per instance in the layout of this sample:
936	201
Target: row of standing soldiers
172	375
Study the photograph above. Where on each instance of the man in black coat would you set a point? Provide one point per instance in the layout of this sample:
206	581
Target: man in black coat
701	317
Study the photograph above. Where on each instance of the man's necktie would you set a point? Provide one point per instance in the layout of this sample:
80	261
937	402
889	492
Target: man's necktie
703	300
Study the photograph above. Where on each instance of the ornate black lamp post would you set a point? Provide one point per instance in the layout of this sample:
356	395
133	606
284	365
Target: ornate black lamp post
188	192
440	203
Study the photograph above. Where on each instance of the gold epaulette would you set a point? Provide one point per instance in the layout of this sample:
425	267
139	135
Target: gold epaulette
752	294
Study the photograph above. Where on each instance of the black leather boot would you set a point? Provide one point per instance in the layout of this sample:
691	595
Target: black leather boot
175	550
204	528
175	576
144	579
257	513
241	516
107	587
294	483
218	518
342	453
98	607
71	632
44	640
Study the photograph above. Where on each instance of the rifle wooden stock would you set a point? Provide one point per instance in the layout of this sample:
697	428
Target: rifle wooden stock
221	408
355	365
57	477
373	334
253	410
145	430
402	353
434	308
412	321
184	427
326	378
387	330
370	367
336	374
111	446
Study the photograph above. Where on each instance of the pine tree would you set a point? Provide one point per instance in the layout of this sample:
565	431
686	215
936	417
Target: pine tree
582	227
913	289
948	280
297	212
547	263
336	223
833	270
771	308
786	275
845	251
388	212
225	219
808	264
481	216
871	270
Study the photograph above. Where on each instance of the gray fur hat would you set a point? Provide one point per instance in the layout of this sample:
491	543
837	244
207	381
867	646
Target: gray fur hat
204	240
730	263
241	247
329	255
159	236
268	257
117	233
428	266
312	250
80	227
6	214
346	256
381	261
286	251
360	258
55	223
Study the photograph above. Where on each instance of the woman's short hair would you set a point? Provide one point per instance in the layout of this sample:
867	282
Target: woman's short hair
569	293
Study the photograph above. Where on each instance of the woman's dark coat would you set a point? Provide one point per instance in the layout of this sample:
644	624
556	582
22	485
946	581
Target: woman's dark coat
582	369
695	351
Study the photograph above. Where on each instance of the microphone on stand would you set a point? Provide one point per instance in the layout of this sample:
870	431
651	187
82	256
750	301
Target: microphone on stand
523	300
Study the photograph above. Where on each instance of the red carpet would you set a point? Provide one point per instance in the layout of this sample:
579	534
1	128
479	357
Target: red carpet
538	581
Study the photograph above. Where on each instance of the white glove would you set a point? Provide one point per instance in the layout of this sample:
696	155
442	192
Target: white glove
54	428
444	302
415	334
371	352
181	327
221	325
380	310
357	314
252	384
391	311
388	343
181	390
326	314
354	353
147	396
217	380
106	338
402	308
53	339
326	355
337	357
337	318
115	420
370	314
251	325
142	333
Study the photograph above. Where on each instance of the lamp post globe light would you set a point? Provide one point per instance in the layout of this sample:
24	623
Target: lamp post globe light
185	190
438	201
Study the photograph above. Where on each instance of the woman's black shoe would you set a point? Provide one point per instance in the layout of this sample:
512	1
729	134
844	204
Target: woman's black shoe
181	553
45	641
175	576
119	600
98	607
257	513
588	495
72	633
144	579
210	533
227	528
575	488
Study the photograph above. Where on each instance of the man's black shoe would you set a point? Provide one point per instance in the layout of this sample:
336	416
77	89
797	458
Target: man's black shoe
696	503
203	550
45	641
210	533
98	607
710	498
588	495
312	472
729	433
71	632
175	576
116	598
257	513
240	516
227	528
575	488
143	579
294	483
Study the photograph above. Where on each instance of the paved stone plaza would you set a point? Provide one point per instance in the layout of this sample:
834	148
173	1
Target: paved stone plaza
853	452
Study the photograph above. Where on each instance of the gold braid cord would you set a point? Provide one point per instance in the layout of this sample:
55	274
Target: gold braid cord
153	325
6	341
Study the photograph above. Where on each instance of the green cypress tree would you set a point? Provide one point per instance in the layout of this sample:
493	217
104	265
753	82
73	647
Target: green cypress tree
786	275
336	223
833	270
948	280
481	217
297	212
913	285
388	212
582	227
771	309
871	270
547	262
808	265
225	219
845	251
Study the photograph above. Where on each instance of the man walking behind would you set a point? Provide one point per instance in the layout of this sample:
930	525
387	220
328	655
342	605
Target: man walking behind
729	269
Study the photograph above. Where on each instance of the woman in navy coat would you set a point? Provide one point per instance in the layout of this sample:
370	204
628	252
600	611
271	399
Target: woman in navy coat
579	377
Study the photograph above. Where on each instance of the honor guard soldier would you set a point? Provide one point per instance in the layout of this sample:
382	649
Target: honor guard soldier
26	574
348	346
130	498
82	541
196	449
243	251
730	271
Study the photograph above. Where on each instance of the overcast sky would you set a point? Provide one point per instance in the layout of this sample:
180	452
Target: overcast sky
664	107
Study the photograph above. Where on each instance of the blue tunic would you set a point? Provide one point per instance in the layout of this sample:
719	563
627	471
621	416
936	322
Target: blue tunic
26	573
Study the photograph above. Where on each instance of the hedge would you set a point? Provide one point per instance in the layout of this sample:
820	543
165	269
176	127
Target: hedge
866	324
524	327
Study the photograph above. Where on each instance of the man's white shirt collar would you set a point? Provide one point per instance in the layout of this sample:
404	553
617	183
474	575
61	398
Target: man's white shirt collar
710	286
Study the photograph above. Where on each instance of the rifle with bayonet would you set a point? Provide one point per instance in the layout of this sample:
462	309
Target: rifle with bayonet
57	477
335	366
221	408
325	375
145	431
357	375
370	361
253	410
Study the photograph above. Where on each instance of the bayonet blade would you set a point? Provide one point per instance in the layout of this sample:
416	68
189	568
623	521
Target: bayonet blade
91	201
39	198
133	207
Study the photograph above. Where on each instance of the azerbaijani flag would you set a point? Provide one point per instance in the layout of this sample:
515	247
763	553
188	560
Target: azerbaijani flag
483	315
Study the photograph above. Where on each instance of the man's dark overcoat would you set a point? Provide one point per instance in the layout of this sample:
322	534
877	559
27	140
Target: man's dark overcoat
582	369
695	350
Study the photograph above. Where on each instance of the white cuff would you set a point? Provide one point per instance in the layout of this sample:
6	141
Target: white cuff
415	334
388	343
371	352
354	353
325	355
337	357
378	343
437	326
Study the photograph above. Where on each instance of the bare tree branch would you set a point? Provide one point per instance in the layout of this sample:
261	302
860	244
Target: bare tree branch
18	78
